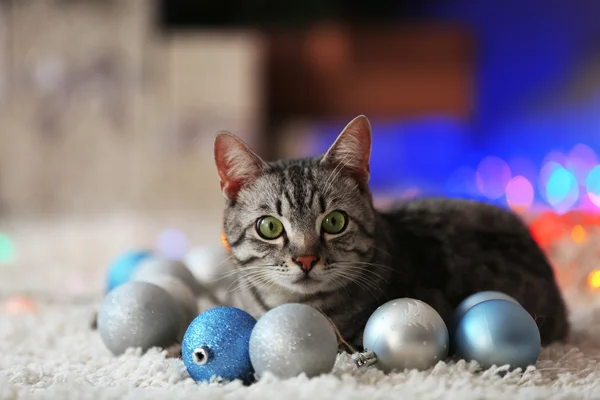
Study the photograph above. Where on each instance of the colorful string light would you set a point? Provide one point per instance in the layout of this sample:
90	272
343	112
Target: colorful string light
592	184
492	176
519	194
173	244
7	249
562	190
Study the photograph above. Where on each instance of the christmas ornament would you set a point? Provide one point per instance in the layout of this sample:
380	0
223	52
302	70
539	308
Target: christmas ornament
163	266
181	293
138	314
216	345
403	334
498	332
473	300
292	339
123	266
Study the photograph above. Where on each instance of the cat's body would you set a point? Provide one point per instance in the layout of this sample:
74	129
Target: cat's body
306	231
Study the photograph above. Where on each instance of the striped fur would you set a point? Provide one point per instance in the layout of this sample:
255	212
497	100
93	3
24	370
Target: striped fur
437	250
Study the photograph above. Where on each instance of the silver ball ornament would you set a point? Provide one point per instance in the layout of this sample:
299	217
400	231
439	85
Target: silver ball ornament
181	293
292	339
404	334
472	301
498	332
164	266
138	314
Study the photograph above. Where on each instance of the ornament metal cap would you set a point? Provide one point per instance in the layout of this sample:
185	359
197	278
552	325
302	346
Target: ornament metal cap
201	356
364	359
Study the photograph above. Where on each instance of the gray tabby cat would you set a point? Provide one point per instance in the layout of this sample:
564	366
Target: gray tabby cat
306	231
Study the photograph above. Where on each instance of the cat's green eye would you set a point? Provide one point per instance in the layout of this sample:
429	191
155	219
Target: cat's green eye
335	222
269	228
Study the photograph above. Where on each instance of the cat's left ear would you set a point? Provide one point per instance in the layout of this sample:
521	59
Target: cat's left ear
352	149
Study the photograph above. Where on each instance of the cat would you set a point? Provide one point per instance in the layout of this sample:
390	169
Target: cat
305	230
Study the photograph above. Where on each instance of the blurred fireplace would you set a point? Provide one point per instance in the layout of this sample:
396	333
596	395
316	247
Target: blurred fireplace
335	72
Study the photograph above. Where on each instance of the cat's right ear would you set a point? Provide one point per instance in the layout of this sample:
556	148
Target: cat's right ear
236	163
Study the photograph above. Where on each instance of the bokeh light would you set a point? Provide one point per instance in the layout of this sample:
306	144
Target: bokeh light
594	279
19	304
562	190
580	161
545	173
7	249
592	185
578	234
555	157
523	166
519	194
492	176
172	243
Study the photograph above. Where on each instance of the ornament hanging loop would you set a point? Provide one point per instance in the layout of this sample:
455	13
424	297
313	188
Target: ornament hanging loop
364	358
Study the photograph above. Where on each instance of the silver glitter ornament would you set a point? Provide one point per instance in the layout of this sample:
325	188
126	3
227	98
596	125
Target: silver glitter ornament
403	334
138	314
177	269
188	306
292	339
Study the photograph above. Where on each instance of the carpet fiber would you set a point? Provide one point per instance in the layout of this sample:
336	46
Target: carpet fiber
52	354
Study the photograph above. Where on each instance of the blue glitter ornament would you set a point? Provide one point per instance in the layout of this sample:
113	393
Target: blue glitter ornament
216	344
473	300
123	266
498	332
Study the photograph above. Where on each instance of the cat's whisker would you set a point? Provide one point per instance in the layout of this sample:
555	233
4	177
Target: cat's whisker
381	266
248	277
251	281
379	249
363	283
362	270
237	270
395	271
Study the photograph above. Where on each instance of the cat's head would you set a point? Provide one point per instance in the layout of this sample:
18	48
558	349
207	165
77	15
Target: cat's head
304	225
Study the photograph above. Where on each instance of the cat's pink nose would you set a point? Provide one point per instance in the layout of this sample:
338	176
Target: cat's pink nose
306	262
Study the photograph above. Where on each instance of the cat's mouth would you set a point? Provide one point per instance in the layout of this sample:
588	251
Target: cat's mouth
305	279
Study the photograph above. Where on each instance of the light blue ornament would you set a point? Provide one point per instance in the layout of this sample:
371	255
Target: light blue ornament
473	300
216	344
122	267
498	332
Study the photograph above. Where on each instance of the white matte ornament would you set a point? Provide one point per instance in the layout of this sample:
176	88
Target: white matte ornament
157	266
138	314
182	294
292	339
404	334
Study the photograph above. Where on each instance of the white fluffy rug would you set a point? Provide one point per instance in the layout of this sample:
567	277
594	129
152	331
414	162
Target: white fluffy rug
52	354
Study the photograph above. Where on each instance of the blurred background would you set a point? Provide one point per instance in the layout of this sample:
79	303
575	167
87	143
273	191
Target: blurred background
108	111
